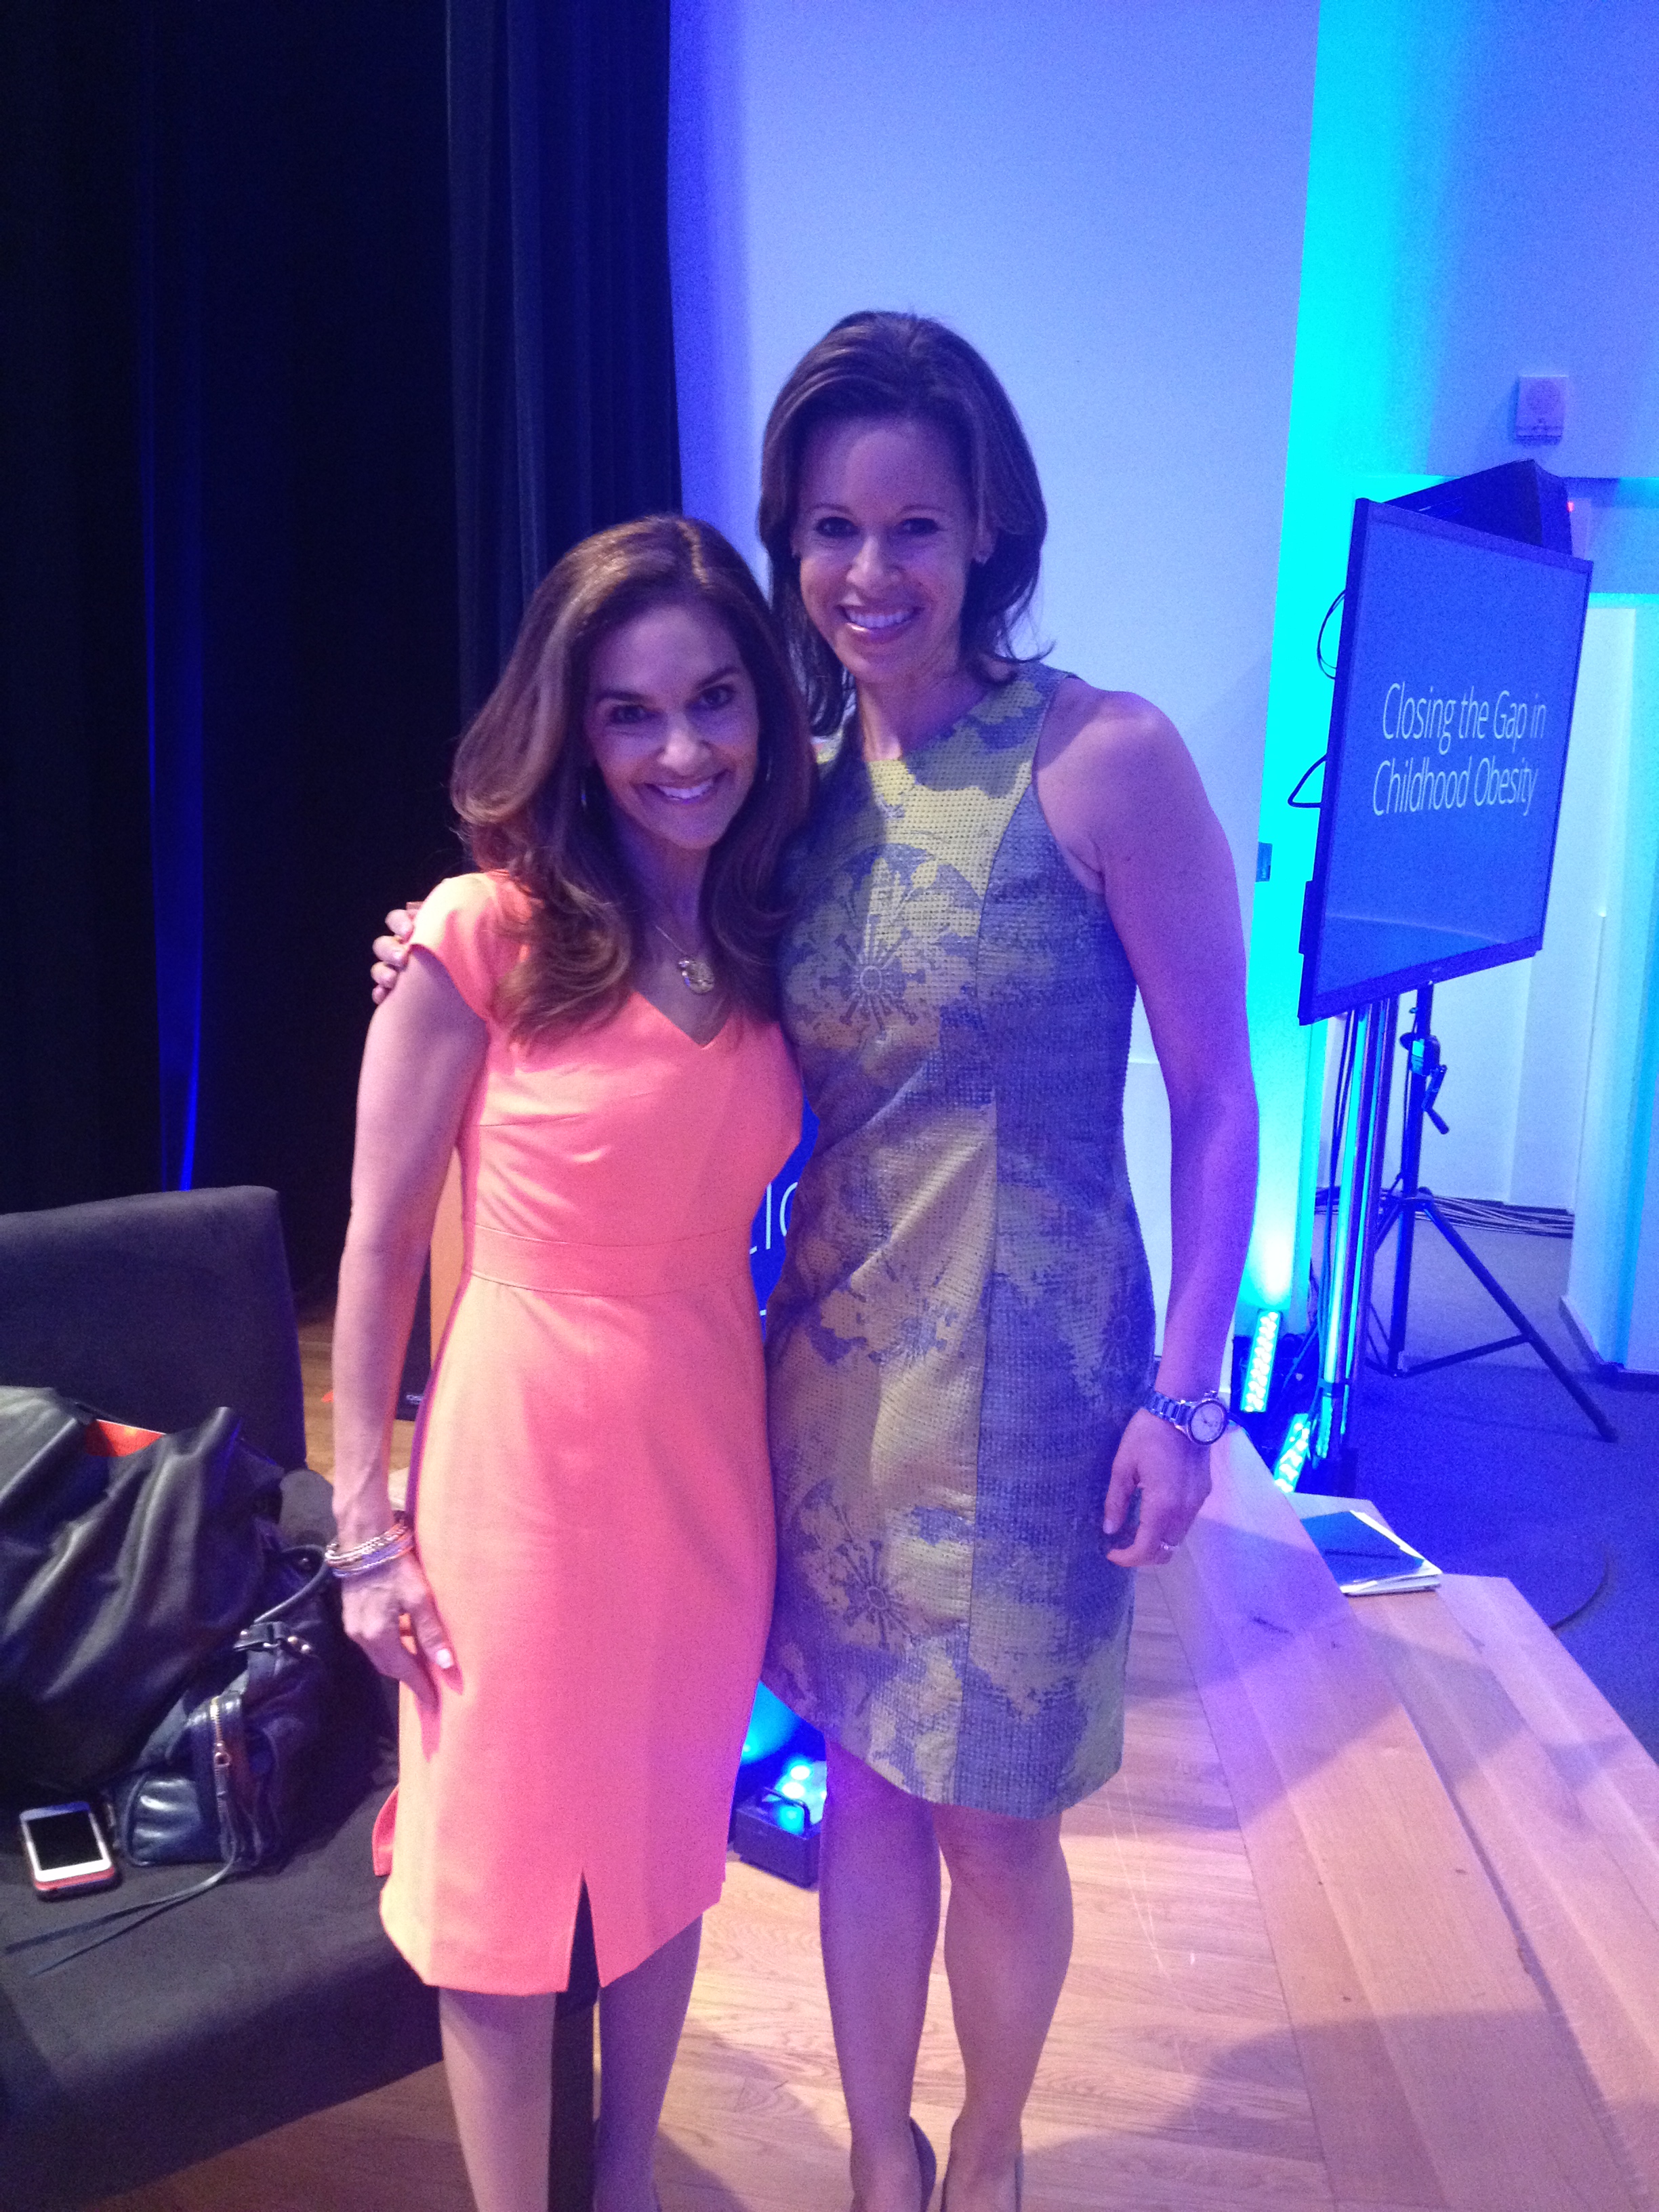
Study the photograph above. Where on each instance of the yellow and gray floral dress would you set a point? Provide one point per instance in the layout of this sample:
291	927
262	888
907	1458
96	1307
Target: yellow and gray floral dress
964	1321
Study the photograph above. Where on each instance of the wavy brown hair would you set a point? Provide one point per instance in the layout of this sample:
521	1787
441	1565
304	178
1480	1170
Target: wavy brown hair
909	367
525	786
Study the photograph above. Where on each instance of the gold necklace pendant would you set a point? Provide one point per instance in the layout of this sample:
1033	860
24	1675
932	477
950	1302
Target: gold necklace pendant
697	973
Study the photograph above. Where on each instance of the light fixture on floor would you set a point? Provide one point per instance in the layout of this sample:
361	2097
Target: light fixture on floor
779	1830
1293	1452
1259	1369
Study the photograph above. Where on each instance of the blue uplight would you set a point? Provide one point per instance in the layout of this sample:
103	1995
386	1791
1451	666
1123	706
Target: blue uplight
803	1783
1259	1371
1293	1453
771	1724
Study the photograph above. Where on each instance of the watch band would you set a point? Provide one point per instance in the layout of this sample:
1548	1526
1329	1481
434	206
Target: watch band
1184	1413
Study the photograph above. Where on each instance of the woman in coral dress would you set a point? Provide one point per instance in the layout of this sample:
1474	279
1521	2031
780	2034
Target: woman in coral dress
578	1610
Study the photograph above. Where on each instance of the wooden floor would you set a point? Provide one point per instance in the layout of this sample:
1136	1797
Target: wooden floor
1369	1918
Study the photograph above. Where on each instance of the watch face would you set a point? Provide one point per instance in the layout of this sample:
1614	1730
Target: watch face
1208	1422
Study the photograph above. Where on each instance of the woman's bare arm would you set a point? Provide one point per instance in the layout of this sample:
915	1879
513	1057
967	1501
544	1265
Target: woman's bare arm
424	1053
1126	804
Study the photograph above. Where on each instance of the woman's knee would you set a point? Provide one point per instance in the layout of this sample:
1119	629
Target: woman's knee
505	2021
856	1792
498	2051
996	1855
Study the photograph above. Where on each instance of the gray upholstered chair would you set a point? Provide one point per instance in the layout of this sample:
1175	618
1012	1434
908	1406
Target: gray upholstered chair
269	1997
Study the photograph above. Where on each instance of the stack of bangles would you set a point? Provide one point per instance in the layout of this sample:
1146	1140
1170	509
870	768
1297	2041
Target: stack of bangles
393	1543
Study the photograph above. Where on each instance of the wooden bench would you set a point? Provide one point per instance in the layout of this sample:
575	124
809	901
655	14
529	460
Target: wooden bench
1456	1843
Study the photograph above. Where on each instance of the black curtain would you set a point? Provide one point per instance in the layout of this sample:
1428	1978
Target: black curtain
234	590
79	1105
565	414
294	288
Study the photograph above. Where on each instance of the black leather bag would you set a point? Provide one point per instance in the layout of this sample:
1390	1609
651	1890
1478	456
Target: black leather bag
120	1579
229	1773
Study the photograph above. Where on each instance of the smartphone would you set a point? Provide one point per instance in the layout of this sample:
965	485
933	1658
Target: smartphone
66	1851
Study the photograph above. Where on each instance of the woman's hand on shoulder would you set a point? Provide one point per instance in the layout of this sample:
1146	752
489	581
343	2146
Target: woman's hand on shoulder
376	1606
1172	1475
392	951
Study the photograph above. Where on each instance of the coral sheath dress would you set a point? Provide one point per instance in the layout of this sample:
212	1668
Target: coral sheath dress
593	1498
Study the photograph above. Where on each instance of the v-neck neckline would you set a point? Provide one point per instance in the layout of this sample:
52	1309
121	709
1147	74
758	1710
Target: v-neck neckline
697	1044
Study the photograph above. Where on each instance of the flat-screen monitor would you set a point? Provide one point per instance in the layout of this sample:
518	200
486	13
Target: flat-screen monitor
1455	683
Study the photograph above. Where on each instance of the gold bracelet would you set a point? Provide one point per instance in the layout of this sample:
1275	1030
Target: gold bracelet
396	1547
376	1551
400	1550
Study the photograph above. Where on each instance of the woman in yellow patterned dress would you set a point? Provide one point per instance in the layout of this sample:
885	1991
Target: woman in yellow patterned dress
968	1459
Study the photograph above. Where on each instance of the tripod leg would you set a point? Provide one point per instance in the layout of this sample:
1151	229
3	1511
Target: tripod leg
1411	1167
1400	1303
1495	1290
1342	1347
1389	1016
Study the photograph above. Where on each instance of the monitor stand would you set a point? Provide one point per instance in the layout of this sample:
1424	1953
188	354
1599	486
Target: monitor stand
1407	1200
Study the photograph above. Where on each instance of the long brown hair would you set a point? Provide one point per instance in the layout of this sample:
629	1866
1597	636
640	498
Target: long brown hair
525	786
912	369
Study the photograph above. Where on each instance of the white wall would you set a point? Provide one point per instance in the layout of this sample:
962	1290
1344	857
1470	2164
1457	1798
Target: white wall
1613	1285
1516	1040
1106	198
1560	983
1481	205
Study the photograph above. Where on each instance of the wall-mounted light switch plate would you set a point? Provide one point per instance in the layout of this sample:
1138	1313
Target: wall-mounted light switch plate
1540	410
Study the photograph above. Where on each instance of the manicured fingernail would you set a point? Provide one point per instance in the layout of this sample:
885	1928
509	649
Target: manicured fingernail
445	1658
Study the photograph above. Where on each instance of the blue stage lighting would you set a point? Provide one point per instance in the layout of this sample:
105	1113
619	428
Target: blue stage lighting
771	1724
802	1783
1293	1453
1259	1372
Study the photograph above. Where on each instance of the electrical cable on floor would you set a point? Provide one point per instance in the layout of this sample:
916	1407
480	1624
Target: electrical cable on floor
1490	1213
1478	1212
1571	1620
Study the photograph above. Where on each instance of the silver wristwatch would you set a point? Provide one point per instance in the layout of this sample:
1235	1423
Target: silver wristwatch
1204	1419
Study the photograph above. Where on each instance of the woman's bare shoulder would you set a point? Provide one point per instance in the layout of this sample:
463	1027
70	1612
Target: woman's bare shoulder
473	925
1110	763
1127	807
1104	725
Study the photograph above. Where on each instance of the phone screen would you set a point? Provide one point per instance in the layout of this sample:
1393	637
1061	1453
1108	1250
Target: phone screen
66	1839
